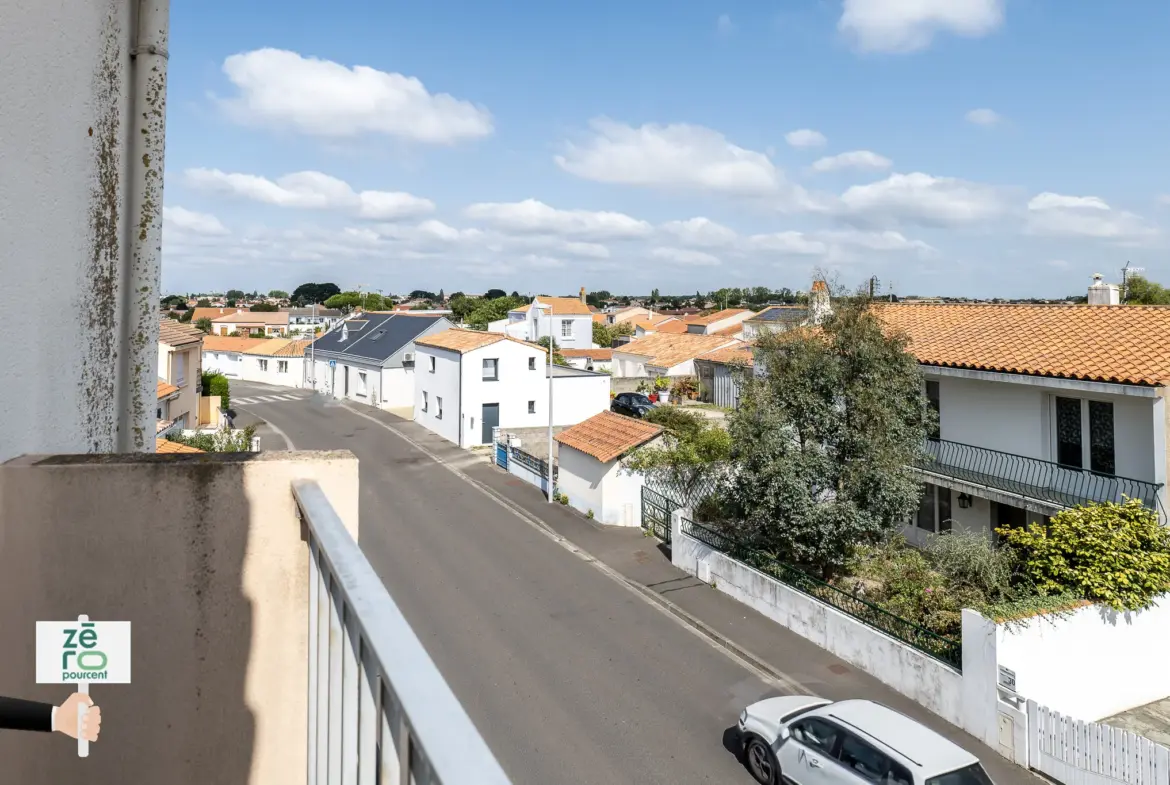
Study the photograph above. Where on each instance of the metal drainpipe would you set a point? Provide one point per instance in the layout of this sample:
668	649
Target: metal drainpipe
137	367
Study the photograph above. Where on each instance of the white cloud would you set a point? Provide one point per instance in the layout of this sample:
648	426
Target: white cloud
1164	199
322	98
701	232
685	256
984	117
887	240
1084	216
805	137
724	25
794	243
184	220
669	156
537	217
910	25
855	159
311	190
922	199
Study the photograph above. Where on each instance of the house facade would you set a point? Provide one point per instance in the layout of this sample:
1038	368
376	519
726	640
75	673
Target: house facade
664	354
600	360
307	321
1040	408
245	323
720	374
370	358
277	361
180	362
225	354
729	319
469	382
567	319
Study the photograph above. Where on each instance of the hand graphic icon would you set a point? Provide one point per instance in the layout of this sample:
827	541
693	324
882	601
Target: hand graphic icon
65	718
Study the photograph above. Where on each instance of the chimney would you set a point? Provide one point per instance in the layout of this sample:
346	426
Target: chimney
1101	293
582	294
818	302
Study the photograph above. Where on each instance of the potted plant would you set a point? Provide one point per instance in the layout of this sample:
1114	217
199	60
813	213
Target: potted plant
685	387
662	387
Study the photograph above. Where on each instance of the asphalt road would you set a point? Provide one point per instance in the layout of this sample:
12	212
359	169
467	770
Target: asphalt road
571	677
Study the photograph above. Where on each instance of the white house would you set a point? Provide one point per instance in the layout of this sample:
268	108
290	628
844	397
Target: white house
370	358
243	323
306	321
780	318
180	365
1041	407
599	360
657	323
567	319
225	353
729	319
664	354
470	381
278	361
590	470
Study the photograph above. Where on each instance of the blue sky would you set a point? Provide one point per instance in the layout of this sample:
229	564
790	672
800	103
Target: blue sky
963	147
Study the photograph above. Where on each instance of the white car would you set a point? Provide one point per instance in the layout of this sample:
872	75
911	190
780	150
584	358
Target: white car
803	740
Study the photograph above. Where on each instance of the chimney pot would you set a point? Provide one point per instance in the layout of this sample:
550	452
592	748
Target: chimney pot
1101	293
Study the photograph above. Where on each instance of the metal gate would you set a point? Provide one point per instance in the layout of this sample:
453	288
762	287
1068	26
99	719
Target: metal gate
502	455
656	510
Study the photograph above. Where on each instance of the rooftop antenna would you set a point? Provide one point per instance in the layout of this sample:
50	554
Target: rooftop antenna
1126	272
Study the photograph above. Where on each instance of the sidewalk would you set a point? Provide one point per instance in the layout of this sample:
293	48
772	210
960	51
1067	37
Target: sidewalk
645	561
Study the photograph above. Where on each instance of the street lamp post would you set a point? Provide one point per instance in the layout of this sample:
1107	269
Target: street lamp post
550	412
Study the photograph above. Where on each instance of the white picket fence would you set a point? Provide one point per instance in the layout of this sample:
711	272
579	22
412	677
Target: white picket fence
1089	753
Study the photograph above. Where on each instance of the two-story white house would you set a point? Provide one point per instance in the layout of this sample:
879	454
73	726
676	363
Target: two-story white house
567	319
180	363
664	354
307	321
469	382
1040	408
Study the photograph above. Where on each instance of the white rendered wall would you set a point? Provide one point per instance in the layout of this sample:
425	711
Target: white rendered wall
444	383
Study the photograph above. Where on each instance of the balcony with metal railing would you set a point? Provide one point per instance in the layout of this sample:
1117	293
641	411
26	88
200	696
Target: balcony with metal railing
1044	482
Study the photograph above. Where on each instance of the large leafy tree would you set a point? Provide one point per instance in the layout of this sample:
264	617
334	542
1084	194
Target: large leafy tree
558	358
693	451
1142	291
827	429
370	301
265	307
486	311
309	293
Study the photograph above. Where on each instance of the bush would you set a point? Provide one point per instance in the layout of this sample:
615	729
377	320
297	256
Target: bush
685	387
969	561
217	384
225	440
1114	554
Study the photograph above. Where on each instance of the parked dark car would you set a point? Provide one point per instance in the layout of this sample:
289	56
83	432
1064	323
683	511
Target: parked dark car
632	404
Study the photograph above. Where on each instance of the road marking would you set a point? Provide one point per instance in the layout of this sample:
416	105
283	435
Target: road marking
742	657
288	443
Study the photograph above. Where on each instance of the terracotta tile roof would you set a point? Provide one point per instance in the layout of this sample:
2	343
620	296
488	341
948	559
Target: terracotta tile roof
174	333
166	389
253	317
607	436
733	330
457	339
229	343
279	347
652	323
726	313
1109	343
663	350
212	313
594	354
167	446
739	353
564	306
676	327
599	318
820	286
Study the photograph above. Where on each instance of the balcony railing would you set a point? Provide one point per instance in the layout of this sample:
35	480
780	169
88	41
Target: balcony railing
1032	478
379	710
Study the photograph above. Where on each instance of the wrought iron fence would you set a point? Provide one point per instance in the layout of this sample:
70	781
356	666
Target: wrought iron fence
656	511
531	462
1032	477
944	649
687	491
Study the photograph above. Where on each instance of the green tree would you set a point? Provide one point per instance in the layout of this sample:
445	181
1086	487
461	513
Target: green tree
279	294
1114	554
621	329
370	301
653	296
601	335
204	325
558	358
693	451
1141	291
230	302
235	294
203	302
217	384
185	317
461	305
825	438
494	294
264	308
442	297
597	299
309	293
486	311
224	440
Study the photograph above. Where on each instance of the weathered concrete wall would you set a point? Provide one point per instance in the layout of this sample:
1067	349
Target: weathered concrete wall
204	555
81	223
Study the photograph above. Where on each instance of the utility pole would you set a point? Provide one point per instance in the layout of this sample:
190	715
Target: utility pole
550	409
312	348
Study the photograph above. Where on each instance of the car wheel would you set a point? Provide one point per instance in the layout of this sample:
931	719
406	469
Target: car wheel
761	762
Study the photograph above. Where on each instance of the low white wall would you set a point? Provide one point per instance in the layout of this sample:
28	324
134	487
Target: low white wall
1092	664
529	476
967	699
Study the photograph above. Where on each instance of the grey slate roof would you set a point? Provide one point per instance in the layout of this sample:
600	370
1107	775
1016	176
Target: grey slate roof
332	313
374	337
781	313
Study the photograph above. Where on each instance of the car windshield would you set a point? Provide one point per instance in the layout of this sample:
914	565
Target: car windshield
968	775
639	399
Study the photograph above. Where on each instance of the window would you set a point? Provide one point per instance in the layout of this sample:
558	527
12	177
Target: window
1084	435
816	734
282	366
158	415
532	363
263	365
863	760
361	390
432	364
566	328
932	403
532	407
934	509
424	400
439	405
491	370
180	369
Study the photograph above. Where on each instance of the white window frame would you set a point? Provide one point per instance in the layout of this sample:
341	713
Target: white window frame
424	406
432	363
180	369
494	364
361	385
532	363
566	328
439	405
282	366
532	407
263	365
